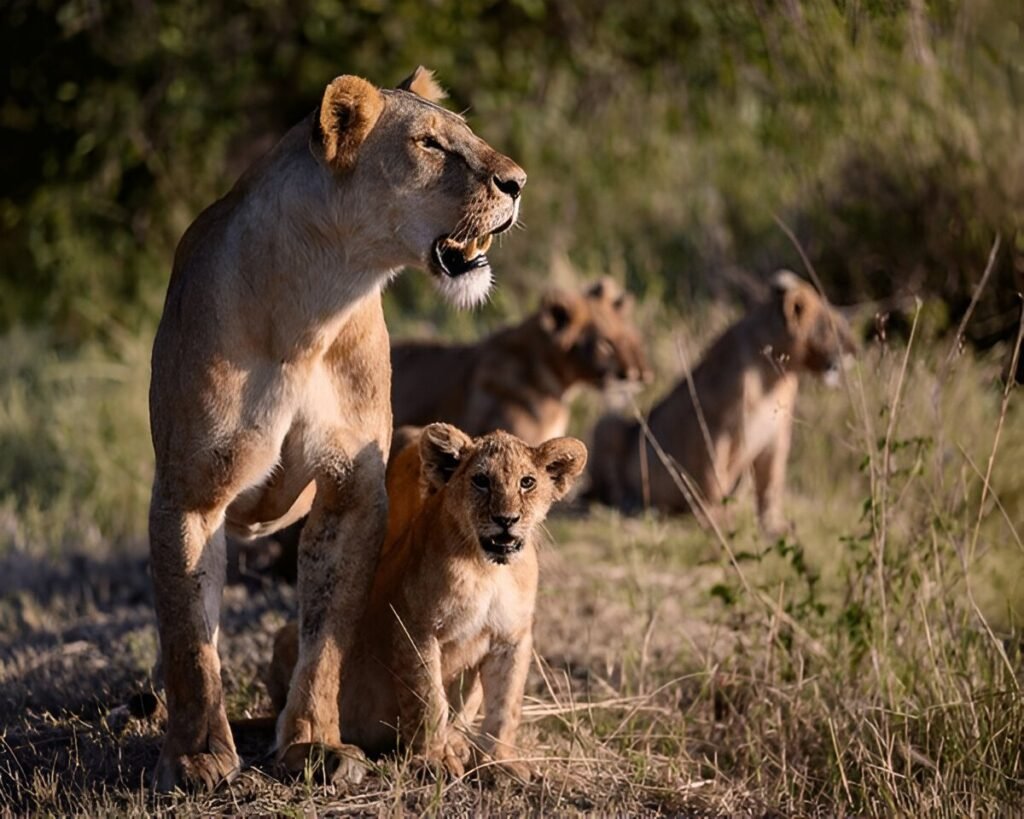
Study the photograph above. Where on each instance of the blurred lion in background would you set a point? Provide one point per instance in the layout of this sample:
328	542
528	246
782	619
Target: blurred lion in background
745	388
518	378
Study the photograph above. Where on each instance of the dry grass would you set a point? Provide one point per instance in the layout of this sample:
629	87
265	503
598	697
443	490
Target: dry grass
868	663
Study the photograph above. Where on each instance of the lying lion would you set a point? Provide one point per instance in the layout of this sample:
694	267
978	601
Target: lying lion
450	618
270	392
517	379
746	388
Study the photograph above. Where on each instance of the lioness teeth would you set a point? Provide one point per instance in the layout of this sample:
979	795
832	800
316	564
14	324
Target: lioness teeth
474	247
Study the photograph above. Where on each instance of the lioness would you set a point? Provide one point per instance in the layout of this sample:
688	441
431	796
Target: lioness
270	389
517	378
746	388
453	599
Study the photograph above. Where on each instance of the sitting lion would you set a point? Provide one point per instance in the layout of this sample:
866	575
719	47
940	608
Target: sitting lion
450	617
746	388
517	379
270	391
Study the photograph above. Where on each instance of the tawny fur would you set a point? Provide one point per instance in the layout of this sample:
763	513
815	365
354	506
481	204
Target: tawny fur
518	378
447	628
746	388
270	391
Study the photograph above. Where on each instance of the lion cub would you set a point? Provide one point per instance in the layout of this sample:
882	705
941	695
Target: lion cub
746	388
450	617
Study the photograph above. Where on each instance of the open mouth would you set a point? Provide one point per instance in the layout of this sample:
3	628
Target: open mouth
455	259
501	548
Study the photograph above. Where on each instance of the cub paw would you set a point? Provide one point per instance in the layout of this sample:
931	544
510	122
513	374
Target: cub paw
338	764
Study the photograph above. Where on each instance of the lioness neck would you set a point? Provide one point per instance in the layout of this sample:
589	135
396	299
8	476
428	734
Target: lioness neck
294	216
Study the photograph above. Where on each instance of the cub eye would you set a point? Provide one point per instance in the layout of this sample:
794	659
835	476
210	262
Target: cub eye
527	483
430	143
481	481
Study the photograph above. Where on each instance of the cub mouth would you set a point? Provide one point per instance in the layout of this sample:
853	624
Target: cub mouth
501	548
454	259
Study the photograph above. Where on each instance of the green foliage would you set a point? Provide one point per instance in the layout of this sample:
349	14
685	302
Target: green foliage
661	138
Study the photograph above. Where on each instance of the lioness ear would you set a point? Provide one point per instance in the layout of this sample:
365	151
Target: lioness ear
563	459
784	280
348	111
442	449
422	83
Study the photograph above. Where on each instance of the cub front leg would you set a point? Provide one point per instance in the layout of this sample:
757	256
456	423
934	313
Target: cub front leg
422	700
338	553
503	673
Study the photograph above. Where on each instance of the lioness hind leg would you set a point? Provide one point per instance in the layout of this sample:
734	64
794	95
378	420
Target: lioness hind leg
187	558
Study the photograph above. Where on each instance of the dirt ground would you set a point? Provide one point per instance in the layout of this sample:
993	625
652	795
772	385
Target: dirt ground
78	640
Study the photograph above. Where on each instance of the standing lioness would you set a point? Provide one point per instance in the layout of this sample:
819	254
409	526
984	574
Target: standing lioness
271	382
450	618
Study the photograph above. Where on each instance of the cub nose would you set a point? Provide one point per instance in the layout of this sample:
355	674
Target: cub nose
510	181
505	521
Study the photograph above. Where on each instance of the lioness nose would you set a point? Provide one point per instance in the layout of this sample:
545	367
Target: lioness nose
505	521
510	181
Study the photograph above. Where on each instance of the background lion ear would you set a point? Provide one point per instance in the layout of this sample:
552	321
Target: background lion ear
563	459
442	448
794	308
557	311
348	111
422	83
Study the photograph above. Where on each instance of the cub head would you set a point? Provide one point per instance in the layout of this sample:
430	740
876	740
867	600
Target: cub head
434	193
495	486
594	335
815	336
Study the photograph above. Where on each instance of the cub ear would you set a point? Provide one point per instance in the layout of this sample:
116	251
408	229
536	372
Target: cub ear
348	111
442	449
563	459
422	83
557	311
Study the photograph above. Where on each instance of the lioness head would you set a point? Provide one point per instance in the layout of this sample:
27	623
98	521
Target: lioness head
439	192
595	334
496	486
816	335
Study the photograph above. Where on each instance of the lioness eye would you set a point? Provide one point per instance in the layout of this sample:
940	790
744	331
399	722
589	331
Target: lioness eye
527	483
481	482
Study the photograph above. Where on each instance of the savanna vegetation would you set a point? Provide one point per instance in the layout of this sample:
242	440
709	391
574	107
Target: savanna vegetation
868	662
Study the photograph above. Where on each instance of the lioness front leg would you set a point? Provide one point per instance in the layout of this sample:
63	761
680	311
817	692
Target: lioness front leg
338	553
187	559
503	673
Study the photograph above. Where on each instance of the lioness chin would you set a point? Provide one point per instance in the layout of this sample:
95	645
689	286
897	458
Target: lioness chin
271	382
450	618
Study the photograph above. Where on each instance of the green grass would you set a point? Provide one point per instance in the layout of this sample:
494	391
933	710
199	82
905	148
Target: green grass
868	663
